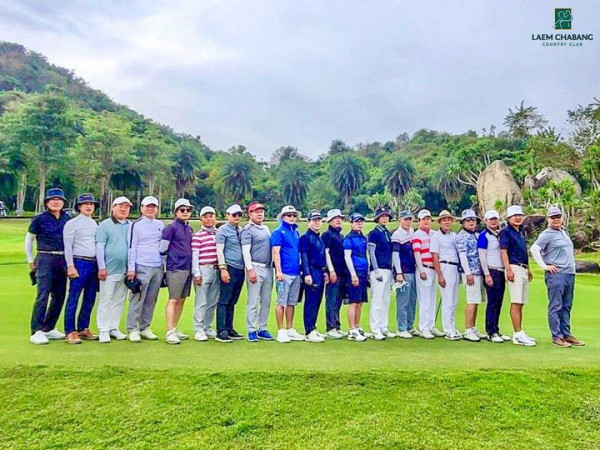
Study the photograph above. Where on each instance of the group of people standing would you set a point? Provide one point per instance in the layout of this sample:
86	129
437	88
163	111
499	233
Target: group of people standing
119	258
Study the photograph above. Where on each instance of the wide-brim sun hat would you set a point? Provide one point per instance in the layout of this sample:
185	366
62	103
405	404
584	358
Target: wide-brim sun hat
469	214
382	211
288	209
445	213
332	214
55	193
86	198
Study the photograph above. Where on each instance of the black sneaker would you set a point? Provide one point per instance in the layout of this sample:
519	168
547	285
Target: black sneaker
222	336
235	335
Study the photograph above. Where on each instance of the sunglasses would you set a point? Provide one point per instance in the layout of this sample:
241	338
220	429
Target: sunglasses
470	220
556	217
290	215
237	214
185	210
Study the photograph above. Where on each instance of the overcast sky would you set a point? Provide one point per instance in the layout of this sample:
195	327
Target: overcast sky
271	73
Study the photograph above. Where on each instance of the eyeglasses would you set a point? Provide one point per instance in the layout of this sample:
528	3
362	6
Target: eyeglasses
185	210
237	214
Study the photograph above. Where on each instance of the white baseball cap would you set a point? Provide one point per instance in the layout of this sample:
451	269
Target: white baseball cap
288	209
121	199
207	209
423	213
182	202
150	200
234	209
514	210
491	214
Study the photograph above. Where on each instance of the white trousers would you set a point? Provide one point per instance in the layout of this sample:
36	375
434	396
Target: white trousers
380	301
207	298
426	293
259	299
449	296
113	293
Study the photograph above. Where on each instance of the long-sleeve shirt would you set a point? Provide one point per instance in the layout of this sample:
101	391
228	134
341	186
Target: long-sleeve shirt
312	253
402	251
204	249
79	236
144	243
178	236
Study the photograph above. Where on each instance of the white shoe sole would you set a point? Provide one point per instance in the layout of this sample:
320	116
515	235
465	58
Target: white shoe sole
204	339
523	344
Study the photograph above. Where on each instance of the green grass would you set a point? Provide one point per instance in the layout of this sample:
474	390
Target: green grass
338	394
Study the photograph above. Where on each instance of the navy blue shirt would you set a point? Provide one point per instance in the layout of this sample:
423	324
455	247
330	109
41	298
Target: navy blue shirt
382	238
514	243
179	254
48	231
357	242
287	237
312	253
407	256
334	241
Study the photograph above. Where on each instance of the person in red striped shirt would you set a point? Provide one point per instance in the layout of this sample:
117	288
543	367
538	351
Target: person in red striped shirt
206	274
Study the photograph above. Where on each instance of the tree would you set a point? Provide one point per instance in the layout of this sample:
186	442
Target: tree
398	174
285	154
154	156
188	159
294	178
337	147
523	120
237	174
348	172
321	194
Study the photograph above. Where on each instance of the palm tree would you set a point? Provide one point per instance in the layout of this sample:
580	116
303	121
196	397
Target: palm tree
187	164
398	174
523	120
294	177
347	174
446	184
238	174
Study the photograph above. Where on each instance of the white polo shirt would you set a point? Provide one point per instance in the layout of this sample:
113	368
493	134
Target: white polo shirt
443	245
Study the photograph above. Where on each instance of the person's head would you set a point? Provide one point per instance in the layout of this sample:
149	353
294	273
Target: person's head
55	200
315	220
445	220
405	218
121	207
86	204
149	207
256	212
382	215
234	214
554	217
208	216
183	209
288	214
357	221
469	220
335	218
515	215
424	217
492	220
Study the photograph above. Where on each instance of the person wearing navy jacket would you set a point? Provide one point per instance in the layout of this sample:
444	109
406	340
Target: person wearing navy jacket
314	275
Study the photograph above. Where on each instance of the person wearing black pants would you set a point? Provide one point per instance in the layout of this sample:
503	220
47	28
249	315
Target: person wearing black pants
336	289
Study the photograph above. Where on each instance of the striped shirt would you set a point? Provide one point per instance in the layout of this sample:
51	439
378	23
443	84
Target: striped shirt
421	242
205	243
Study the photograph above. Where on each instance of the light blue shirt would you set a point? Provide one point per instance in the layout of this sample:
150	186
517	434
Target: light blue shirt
114	235
144	248
557	249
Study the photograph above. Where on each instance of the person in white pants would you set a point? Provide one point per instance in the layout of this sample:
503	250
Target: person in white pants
445	261
380	255
427	276
111	256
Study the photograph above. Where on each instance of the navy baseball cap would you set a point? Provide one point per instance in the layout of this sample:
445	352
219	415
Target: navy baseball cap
406	214
55	193
356	217
314	214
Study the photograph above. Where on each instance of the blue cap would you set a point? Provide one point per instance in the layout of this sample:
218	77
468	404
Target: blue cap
86	198
406	214
314	214
356	217
55	193
382	211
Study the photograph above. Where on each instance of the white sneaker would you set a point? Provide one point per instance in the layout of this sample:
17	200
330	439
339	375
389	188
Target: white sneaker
210	333
200	336
334	334
404	334
426	334
294	335
496	339
528	337
415	332
323	335
148	334
437	333
479	334
172	338
134	336
471	335
38	338
354	335
182	336
54	335
116	333
342	333
365	333
521	338
314	336
453	335
389	334
282	336
104	337
379	336
505	337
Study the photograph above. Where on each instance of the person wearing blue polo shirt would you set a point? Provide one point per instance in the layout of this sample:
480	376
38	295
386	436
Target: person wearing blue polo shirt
355	255
314	273
513	250
285	241
553	252
49	266
380	255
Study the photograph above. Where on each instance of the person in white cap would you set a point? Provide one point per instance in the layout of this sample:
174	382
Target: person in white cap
553	252
111	255
426	281
488	245
176	247
445	261
207	278
285	241
145	263
513	249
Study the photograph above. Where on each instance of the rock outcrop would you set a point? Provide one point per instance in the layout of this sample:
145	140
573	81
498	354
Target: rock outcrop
586	267
550	174
495	183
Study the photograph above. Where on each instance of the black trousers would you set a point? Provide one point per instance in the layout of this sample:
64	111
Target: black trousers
228	297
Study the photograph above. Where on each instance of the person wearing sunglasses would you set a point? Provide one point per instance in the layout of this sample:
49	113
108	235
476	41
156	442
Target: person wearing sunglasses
553	252
176	247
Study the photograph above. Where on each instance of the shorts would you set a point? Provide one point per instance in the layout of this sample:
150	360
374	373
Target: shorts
288	290
179	283
358	294
518	289
474	294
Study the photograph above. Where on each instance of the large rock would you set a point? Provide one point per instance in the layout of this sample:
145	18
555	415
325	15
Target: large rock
497	183
550	174
586	267
580	239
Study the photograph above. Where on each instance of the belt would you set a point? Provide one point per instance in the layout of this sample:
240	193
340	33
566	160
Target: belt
257	264
525	266
51	252
449	262
498	269
86	258
427	266
210	266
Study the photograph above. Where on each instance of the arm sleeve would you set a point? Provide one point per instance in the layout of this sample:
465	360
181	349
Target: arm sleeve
372	256
328	261
100	255
221	254
247	256
396	257
303	247
419	261
131	254
349	263
464	262
29	238
483	260
196	263
536	252
68	238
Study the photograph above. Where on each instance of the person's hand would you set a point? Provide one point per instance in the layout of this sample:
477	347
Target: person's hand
225	277
510	275
72	272
354	280
332	277
378	274
470	280
442	281
489	280
198	281
280	276
102	274
551	269
326	278
252	278
423	275
529	275
399	278
308	280
32	266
